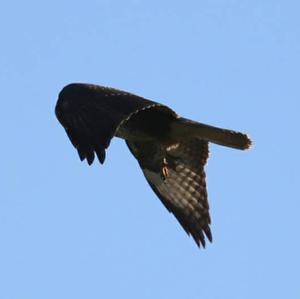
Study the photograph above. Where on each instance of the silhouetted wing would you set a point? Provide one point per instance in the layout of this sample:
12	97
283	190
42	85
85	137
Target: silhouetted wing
183	191
91	114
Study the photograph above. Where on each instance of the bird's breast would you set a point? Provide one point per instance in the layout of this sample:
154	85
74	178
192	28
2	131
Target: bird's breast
146	125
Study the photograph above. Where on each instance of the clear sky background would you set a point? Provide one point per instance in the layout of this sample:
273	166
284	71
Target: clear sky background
72	231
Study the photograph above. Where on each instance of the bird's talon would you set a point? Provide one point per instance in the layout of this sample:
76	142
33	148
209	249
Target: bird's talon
165	172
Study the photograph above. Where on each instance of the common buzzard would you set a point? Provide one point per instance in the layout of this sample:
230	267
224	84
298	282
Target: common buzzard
171	150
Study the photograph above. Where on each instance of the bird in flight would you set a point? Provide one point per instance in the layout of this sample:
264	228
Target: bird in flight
171	150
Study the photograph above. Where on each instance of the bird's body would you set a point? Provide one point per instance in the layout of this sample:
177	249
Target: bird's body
171	150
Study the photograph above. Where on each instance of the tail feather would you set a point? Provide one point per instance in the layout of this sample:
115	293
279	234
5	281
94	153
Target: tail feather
185	127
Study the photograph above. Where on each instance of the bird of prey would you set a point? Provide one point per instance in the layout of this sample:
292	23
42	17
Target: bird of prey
171	150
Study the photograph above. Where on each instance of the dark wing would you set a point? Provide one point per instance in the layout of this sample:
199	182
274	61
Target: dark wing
91	114
183	191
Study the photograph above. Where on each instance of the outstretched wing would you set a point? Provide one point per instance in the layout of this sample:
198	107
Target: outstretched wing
183	190
91	115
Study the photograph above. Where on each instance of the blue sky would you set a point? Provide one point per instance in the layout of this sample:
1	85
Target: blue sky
72	231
